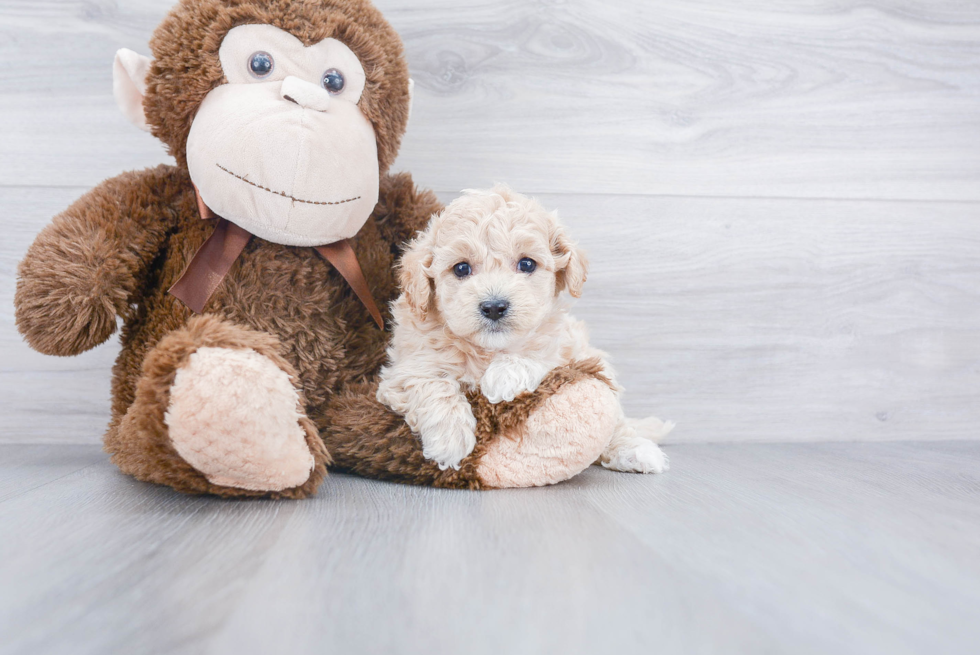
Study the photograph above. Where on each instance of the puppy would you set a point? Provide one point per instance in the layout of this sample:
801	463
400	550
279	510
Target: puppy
481	308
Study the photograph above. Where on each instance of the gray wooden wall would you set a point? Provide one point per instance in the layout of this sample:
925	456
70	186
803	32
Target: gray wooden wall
780	199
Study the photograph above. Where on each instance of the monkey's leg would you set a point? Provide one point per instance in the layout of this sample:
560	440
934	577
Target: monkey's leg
217	410
552	434
540	438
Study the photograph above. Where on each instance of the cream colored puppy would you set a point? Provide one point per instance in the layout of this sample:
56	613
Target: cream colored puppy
481	309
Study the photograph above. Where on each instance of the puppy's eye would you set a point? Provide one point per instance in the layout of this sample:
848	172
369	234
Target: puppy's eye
462	269
261	65
527	265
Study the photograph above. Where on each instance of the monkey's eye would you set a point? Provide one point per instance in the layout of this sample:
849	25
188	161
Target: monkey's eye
462	269
333	81
527	265
260	65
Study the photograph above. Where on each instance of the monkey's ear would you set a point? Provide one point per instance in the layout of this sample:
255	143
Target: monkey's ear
129	73
411	96
414	275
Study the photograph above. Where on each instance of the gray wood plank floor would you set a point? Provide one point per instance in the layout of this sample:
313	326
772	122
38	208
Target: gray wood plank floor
740	548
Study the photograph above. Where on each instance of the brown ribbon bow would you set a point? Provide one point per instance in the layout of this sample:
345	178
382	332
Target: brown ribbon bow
214	259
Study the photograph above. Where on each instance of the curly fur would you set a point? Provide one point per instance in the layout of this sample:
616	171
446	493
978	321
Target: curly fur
443	346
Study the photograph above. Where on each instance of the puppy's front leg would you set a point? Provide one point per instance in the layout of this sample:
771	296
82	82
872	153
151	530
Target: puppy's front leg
437	411
509	375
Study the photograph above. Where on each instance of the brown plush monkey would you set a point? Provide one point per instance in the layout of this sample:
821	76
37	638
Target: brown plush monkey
277	225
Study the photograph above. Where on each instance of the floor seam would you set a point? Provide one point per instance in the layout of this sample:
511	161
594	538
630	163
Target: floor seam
17	494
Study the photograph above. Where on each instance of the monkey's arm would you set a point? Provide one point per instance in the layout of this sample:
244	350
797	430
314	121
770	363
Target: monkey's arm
90	263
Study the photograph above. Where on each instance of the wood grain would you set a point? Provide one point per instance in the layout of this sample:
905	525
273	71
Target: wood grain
772	320
26	469
831	98
747	179
740	548
742	320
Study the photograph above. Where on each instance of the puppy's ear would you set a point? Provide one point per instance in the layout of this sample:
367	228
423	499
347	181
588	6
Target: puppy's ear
414	277
571	263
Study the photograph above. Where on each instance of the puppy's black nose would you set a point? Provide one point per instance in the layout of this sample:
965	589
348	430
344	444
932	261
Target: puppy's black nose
494	309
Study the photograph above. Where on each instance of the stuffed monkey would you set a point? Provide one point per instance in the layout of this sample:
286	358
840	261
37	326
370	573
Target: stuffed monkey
251	278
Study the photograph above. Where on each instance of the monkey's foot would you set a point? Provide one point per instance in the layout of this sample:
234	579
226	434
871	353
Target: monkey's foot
559	439
537	439
218	410
234	416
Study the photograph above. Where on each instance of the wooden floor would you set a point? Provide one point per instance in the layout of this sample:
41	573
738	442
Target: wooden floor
740	548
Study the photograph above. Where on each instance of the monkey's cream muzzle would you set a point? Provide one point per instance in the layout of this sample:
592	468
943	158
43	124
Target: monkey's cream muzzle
278	153
301	171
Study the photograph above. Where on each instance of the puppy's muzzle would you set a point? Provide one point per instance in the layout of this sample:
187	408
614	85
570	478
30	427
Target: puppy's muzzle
494	309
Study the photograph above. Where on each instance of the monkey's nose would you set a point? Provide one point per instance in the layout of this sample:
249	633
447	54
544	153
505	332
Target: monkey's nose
494	309
305	94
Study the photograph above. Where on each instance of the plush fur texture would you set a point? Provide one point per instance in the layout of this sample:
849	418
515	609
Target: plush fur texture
139	438
235	417
121	246
115	252
368	439
445	344
551	445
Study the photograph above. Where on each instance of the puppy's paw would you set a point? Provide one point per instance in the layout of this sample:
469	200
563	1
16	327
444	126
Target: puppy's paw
635	455
508	376
448	442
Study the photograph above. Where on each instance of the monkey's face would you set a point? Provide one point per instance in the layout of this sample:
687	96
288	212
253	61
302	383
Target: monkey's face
282	148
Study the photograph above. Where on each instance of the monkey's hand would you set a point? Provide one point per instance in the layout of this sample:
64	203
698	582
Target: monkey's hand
85	268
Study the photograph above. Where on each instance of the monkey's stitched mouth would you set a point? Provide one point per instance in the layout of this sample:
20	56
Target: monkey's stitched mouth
285	195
